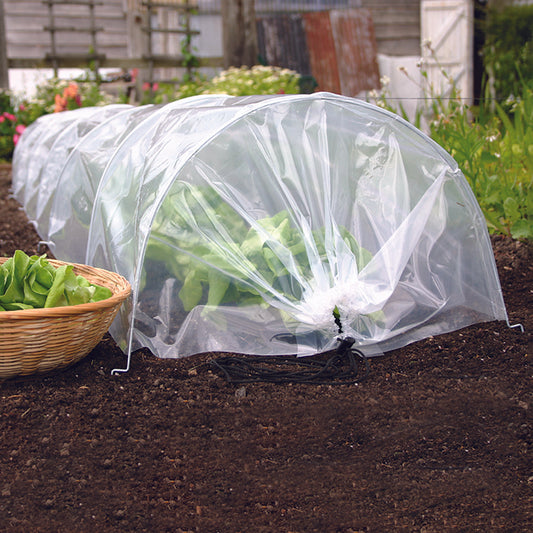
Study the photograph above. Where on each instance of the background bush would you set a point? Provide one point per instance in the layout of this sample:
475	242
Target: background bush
508	49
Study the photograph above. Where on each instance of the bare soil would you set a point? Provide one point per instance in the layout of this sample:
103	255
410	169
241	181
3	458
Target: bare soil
437	439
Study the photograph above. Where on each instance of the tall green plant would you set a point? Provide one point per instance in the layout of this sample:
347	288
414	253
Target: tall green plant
493	146
508	50
495	153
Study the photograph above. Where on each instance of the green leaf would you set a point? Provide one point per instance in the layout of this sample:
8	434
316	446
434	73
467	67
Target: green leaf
511	209
16	306
218	285
56	297
522	229
101	293
14	283
38	280
191	292
77	289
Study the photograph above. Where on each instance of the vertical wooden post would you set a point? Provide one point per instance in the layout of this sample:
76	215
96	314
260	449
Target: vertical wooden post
4	69
239	33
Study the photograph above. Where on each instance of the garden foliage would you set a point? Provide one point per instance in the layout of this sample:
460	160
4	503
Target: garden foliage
508	50
53	96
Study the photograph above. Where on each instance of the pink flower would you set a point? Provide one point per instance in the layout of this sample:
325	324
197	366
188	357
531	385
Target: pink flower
20	128
60	104
71	91
22	107
134	73
16	138
9	116
146	86
2	119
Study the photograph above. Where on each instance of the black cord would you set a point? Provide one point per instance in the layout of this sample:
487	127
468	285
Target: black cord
341	368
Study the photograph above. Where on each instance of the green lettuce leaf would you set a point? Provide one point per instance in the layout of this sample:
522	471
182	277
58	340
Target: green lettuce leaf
33	282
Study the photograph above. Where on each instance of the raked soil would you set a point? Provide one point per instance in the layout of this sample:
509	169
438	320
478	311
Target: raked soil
437	439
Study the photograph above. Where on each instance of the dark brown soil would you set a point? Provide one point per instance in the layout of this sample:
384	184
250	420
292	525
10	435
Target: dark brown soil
436	440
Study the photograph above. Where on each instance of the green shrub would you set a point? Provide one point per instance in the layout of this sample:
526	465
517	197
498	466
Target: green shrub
508	49
495	153
245	81
52	96
13	121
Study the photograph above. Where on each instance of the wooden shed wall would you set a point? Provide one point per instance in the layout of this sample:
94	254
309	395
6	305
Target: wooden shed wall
25	21
397	26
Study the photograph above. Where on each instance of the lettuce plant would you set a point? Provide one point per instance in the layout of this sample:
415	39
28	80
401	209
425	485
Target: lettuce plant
218	257
32	282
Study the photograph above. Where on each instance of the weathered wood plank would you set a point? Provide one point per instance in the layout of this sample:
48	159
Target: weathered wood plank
239	33
396	26
115	62
4	70
282	42
322	52
355	44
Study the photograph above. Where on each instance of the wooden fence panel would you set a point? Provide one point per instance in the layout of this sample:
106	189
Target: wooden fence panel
27	38
337	47
355	45
322	51
282	42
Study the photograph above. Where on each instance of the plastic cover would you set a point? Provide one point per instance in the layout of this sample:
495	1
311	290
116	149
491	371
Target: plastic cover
263	225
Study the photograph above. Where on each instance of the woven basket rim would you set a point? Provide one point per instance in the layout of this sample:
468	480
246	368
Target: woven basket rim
119	285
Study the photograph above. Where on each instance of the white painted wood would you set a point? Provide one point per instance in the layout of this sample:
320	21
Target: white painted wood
447	45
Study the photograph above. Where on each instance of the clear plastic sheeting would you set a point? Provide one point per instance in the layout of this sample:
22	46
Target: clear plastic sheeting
264	225
53	146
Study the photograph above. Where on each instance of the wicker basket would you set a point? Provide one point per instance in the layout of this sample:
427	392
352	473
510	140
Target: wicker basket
33	341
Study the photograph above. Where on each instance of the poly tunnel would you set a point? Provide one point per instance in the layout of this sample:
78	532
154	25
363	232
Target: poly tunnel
263	225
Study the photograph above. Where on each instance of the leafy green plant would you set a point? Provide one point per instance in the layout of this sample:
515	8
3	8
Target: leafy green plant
495	153
189	59
156	93
508	54
12	124
53	96
219	271
245	81
32	282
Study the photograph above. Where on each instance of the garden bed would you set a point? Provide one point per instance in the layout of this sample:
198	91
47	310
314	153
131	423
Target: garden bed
437	439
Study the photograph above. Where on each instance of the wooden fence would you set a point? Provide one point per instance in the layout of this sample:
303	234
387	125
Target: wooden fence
130	33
